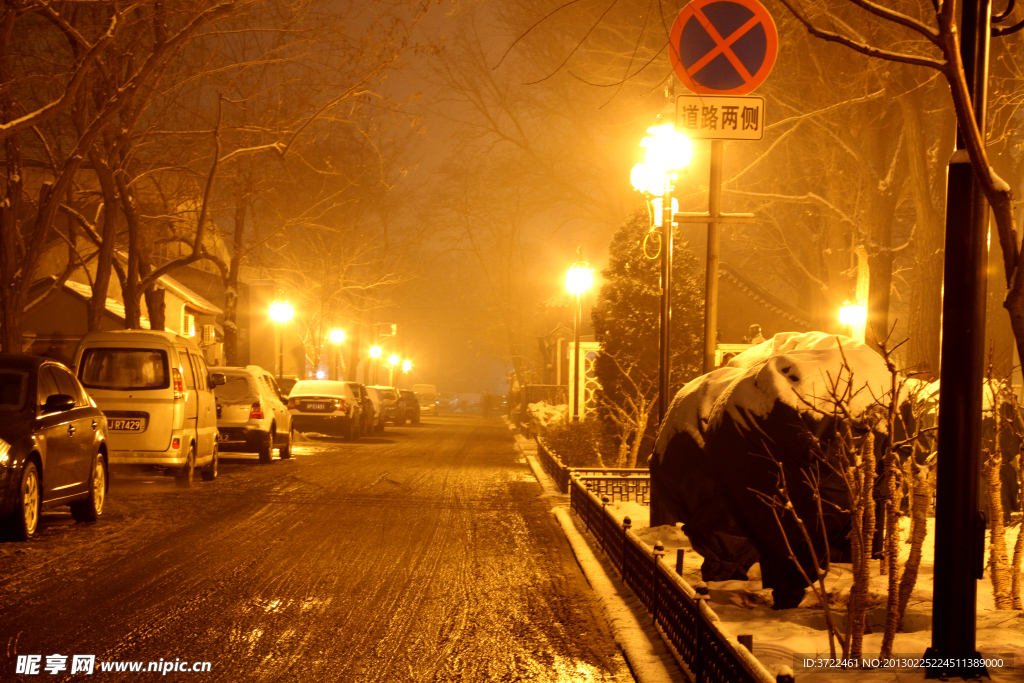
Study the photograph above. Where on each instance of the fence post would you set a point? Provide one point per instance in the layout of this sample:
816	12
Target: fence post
680	554
747	641
659	551
785	675
627	524
604	523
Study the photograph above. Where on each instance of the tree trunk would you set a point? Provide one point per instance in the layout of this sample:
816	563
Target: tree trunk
231	286
922	491
928	243
890	561
999	569
1018	548
157	308
97	306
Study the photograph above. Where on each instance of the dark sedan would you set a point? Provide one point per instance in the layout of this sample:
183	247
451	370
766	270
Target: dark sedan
410	407
53	447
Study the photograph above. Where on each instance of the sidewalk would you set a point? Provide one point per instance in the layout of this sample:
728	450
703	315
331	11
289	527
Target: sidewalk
646	653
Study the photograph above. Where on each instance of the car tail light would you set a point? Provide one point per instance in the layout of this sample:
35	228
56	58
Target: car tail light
291	404
256	412
176	443
179	384
342	405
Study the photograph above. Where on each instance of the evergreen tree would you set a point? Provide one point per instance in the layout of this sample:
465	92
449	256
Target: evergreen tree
626	323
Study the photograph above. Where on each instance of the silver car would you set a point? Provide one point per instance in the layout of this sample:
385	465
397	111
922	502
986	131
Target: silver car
251	414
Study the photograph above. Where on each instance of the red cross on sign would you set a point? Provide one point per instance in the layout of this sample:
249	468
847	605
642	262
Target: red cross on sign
723	47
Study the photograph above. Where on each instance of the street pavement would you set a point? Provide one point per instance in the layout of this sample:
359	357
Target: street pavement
425	554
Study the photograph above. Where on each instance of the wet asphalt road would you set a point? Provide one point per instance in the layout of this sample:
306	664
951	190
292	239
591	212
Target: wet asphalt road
425	554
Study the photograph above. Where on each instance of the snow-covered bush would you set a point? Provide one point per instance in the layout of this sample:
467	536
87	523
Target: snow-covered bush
543	415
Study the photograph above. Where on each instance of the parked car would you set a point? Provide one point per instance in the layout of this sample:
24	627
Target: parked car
286	384
53	444
368	414
427	396
326	406
446	402
157	393
377	426
251	414
410	406
389	400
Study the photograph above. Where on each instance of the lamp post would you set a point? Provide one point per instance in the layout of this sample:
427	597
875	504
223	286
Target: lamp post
336	337
393	361
578	279
667	153
375	355
281	312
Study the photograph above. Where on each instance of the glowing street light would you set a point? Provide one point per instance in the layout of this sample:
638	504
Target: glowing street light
393	359
406	365
667	152
578	280
336	337
854	315
374	352
280	312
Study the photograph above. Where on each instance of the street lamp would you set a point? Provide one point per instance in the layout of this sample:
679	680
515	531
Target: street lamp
281	312
375	355
666	153
392	363
336	337
578	280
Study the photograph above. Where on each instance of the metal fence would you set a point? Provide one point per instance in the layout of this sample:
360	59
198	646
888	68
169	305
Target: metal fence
619	484
688	625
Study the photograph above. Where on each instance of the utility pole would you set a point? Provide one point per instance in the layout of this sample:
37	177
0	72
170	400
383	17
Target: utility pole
959	523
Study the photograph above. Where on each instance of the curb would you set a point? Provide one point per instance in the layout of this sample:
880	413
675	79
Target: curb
646	654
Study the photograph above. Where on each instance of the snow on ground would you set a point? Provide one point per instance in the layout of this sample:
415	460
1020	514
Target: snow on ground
744	607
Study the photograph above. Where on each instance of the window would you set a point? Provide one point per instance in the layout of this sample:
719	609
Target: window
67	385
186	369
199	367
124	369
13	387
47	385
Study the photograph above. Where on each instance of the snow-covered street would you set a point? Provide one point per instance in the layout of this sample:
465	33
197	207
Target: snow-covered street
427	553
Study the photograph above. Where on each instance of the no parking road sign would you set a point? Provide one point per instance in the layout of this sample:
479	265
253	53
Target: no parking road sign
723	47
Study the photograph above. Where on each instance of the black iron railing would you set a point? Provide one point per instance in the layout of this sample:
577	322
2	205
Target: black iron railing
687	623
619	484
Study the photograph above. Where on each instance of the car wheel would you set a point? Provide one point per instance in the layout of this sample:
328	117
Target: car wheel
267	447
209	470
90	509
183	477
286	447
27	505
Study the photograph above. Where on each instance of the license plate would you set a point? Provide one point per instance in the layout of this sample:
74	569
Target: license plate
122	425
316	406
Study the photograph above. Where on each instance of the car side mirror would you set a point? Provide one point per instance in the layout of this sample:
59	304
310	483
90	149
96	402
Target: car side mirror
58	403
217	379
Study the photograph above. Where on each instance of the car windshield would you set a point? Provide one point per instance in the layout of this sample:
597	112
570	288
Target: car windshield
13	388
237	389
124	369
388	394
321	387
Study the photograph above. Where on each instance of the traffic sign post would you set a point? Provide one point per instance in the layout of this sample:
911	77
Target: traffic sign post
720	49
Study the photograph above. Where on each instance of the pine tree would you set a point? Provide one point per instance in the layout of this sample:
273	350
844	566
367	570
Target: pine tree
626	323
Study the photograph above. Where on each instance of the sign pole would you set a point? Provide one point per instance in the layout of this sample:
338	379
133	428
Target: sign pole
711	274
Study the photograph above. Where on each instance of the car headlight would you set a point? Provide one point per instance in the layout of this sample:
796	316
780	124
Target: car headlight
5	452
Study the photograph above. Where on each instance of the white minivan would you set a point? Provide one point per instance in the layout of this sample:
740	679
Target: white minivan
157	393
